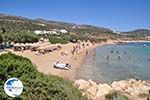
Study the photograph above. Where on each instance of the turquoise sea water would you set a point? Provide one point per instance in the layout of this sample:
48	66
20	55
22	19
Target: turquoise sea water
117	62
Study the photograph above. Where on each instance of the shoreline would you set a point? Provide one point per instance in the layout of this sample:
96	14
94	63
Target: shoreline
115	43
131	88
137	41
44	63
79	59
110	42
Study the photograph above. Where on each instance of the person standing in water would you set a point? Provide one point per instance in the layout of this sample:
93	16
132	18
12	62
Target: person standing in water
94	54
107	57
111	51
117	52
87	52
129	57
83	45
119	57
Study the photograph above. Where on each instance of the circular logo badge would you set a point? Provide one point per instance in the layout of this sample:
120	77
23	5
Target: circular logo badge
13	87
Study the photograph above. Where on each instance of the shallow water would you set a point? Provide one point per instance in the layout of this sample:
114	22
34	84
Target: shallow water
117	62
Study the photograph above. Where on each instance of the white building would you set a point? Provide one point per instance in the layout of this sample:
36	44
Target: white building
117	32
148	37
54	32
42	32
38	32
63	31
46	32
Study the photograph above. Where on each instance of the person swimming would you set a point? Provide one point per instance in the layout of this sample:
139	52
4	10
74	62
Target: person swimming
125	52
111	51
117	52
119	57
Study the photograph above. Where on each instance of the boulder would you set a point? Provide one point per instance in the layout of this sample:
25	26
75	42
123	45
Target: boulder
82	84
103	89
92	92
132	86
95	91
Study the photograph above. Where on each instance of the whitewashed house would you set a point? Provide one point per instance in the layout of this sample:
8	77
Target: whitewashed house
46	32
63	31
42	32
38	32
54	32
148	37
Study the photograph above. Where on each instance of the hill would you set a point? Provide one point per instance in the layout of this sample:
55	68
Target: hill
13	24
7	21
138	33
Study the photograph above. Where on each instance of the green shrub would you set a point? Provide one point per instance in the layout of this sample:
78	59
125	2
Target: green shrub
98	40
37	86
1	39
20	37
24	37
56	39
114	95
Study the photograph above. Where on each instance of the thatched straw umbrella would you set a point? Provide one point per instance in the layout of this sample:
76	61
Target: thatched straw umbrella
34	46
16	45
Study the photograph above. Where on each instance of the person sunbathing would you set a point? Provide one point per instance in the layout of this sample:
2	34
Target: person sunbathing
64	53
59	65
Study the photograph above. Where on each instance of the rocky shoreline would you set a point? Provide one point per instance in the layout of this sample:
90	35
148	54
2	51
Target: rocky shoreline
131	89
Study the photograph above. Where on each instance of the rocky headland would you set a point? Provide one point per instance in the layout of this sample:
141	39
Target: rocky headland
131	89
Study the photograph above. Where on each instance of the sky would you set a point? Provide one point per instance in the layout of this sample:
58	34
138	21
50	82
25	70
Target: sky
121	15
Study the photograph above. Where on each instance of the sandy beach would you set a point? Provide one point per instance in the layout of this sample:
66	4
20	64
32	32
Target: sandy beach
44	63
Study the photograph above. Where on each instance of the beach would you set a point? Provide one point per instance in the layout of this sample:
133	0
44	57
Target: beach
94	90
45	62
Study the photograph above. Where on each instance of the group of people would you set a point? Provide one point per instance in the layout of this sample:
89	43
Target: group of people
77	48
118	56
